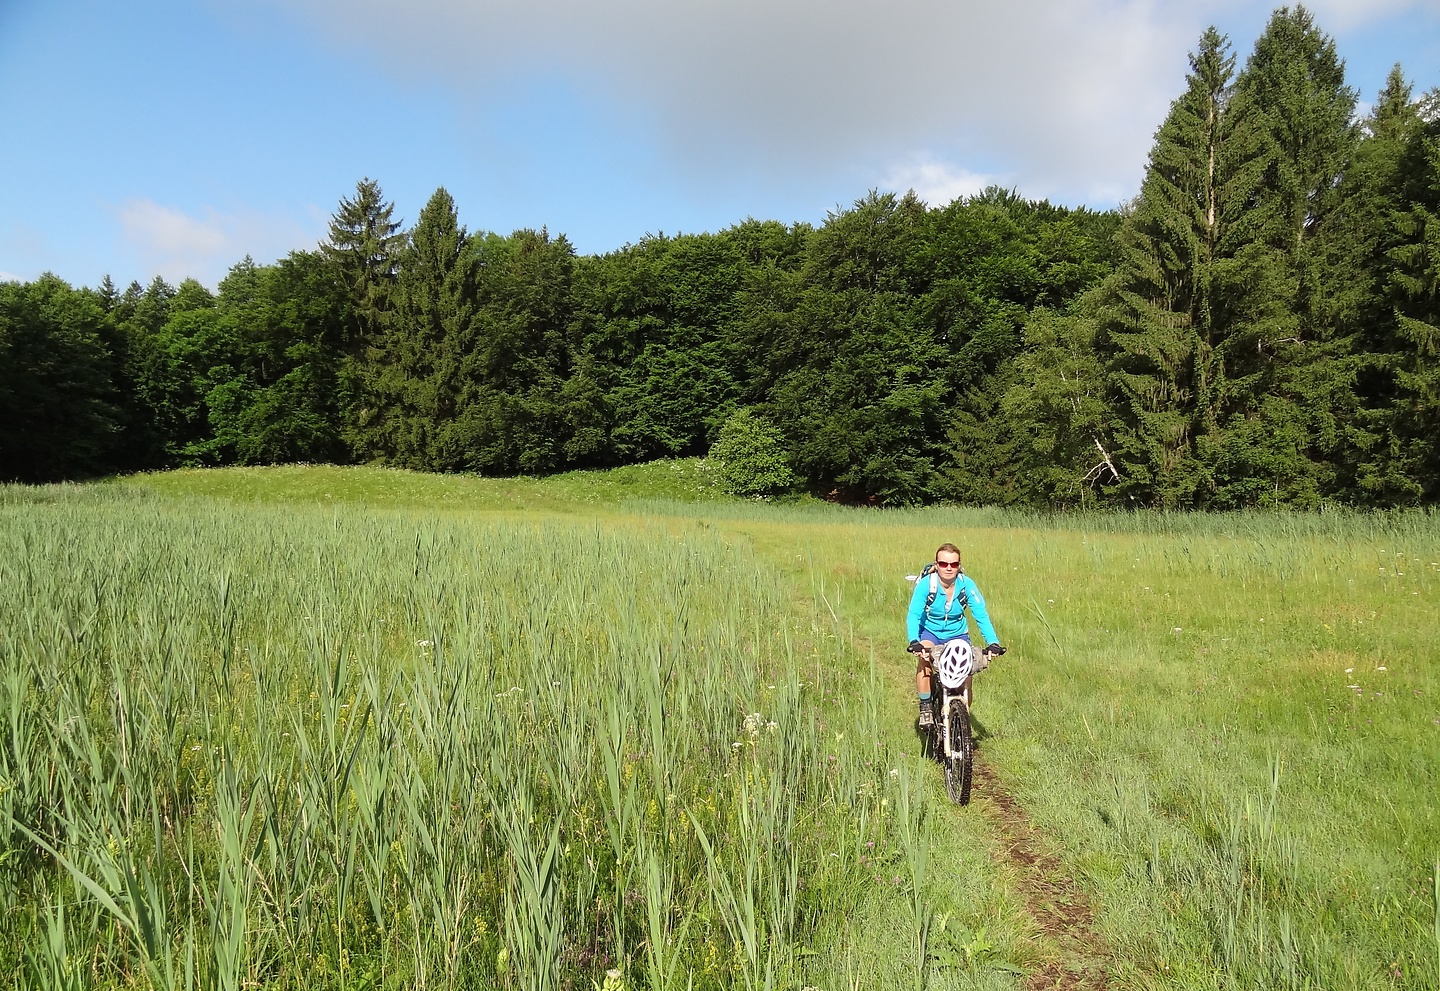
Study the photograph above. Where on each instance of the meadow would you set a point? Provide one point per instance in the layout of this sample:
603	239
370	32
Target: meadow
317	727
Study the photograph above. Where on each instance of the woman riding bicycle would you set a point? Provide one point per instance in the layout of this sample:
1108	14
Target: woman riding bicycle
937	616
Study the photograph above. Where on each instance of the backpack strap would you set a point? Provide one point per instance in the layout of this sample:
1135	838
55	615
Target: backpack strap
935	590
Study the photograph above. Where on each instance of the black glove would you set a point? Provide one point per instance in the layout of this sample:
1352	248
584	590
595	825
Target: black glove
915	647
994	649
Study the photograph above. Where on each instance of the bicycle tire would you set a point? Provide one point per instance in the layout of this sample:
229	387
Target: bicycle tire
961	768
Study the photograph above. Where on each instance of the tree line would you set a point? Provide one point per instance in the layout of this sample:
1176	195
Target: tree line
1259	326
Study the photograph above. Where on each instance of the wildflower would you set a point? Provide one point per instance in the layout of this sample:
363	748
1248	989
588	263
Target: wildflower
1349	670
736	745
1380	668
894	772
1177	629
424	643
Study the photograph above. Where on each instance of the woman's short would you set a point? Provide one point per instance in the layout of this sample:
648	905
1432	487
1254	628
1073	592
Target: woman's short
927	637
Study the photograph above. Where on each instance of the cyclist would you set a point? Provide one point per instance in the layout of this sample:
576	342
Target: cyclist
934	622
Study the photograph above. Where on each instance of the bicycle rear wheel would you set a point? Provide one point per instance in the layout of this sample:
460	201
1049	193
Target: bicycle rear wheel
960	768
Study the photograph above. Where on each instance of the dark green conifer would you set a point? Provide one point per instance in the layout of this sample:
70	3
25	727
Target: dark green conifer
364	247
1287	141
415	364
1160	334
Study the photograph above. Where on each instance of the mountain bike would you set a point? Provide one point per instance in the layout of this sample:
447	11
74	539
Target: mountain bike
951	741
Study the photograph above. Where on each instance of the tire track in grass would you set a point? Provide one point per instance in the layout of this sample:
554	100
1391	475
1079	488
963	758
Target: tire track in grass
1052	898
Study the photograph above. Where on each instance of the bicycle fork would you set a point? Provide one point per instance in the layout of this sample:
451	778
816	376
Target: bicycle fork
949	711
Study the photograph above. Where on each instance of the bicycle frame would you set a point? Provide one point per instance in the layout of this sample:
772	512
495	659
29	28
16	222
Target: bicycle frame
950	710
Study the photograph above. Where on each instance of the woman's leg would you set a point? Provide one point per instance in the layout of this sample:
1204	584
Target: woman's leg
922	669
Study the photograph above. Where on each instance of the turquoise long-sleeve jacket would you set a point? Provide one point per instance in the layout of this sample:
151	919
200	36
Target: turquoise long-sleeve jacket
947	620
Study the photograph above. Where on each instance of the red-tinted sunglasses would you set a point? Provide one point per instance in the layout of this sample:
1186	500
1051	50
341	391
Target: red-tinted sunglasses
947	564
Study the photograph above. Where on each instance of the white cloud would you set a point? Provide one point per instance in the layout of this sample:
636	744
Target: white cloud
174	244
1062	96
1341	15
935	182
10	277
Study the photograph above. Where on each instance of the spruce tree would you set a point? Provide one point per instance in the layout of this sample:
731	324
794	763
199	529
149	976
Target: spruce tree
1359	236
1414	285
364	247
1287	140
1159	333
413	368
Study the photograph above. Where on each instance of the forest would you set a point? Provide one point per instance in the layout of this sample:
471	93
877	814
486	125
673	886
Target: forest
1258	326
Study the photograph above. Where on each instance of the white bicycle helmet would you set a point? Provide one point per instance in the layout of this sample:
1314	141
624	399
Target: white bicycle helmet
954	662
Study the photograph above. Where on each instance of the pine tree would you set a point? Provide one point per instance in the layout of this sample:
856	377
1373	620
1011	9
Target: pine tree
1287	140
1414	285
364	246
414	367
516	411
1160	335
1359	236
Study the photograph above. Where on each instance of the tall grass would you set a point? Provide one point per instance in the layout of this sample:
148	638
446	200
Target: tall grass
241	747
1232	740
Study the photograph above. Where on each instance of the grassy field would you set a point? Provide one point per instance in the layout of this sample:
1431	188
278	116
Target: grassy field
353	728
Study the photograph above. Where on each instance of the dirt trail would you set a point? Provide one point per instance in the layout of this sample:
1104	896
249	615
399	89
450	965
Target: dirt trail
1053	899
1076	957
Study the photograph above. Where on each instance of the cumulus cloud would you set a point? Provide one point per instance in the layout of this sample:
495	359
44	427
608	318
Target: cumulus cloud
937	183
176	245
1062	96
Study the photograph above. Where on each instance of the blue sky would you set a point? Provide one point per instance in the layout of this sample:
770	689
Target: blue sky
173	138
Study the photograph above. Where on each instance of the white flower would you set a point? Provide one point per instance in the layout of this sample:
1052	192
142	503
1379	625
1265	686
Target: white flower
1349	670
736	745
1177	629
424	643
1380	668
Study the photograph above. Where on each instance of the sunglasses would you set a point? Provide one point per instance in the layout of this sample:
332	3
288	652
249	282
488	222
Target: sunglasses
947	564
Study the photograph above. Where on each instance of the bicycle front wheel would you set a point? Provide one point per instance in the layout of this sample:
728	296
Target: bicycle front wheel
960	767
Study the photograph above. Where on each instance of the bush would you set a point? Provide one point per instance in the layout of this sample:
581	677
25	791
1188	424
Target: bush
750	456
